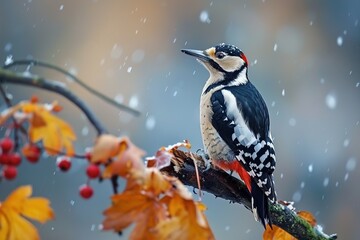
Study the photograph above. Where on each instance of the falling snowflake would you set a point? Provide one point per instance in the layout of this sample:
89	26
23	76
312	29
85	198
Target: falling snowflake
9	60
275	47
331	101
310	168
339	41
204	17
350	164
150	123
326	182
134	101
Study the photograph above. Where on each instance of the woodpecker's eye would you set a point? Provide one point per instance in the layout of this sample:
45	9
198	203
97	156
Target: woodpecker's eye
220	55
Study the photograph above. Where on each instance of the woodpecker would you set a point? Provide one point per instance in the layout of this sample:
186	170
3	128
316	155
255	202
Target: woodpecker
235	124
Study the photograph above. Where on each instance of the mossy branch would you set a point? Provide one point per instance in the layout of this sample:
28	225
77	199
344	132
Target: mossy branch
223	185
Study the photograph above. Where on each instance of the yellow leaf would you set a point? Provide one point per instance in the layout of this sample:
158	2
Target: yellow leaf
44	126
55	133
13	225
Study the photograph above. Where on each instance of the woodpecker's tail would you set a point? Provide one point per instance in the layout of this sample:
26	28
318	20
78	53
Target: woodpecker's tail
260	204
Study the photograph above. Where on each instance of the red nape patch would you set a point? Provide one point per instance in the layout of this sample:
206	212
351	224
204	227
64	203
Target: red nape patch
243	57
235	166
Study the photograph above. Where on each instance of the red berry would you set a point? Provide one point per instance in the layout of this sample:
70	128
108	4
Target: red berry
14	159
10	172
64	163
93	171
4	158
31	152
6	144
86	191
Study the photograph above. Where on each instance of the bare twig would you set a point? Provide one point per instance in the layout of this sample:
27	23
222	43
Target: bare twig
53	86
225	186
76	79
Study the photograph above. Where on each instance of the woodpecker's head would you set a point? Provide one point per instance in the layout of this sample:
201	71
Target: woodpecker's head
226	60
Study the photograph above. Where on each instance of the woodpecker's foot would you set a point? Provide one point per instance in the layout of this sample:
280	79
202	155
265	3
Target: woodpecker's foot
205	157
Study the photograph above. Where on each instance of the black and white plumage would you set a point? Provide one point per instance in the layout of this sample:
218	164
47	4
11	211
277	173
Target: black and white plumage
235	124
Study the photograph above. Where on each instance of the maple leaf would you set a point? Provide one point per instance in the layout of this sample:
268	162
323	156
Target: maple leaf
125	156
139	204
279	234
55	133
187	221
16	208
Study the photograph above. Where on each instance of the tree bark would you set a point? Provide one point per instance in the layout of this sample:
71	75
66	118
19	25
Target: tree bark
223	185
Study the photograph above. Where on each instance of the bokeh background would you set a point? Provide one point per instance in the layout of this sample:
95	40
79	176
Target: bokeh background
304	58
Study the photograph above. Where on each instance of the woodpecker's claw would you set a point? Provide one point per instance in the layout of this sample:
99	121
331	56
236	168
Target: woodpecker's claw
205	157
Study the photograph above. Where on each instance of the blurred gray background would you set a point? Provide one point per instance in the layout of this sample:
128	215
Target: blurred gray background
304	58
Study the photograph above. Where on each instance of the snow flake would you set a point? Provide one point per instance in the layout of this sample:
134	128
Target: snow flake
134	101
61	7
310	168
129	69
8	47
150	123
283	92
292	122
85	131
346	142
339	41
275	47
350	164
326	182
204	17
330	100
9	60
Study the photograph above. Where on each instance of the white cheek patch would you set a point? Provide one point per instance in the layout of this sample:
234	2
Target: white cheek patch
230	63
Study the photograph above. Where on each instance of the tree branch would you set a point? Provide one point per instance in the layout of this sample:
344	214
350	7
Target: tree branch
225	186
53	86
105	98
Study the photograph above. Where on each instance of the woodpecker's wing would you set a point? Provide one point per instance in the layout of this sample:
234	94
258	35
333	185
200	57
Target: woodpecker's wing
241	118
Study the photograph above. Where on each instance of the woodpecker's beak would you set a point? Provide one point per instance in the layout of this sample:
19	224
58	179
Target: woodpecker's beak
201	55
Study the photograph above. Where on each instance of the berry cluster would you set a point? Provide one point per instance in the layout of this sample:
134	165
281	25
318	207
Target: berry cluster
10	159
92	172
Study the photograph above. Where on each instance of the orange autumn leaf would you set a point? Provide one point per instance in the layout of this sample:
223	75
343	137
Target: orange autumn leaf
55	133
139	204
279	234
126	157
16	208
187	221
106	146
